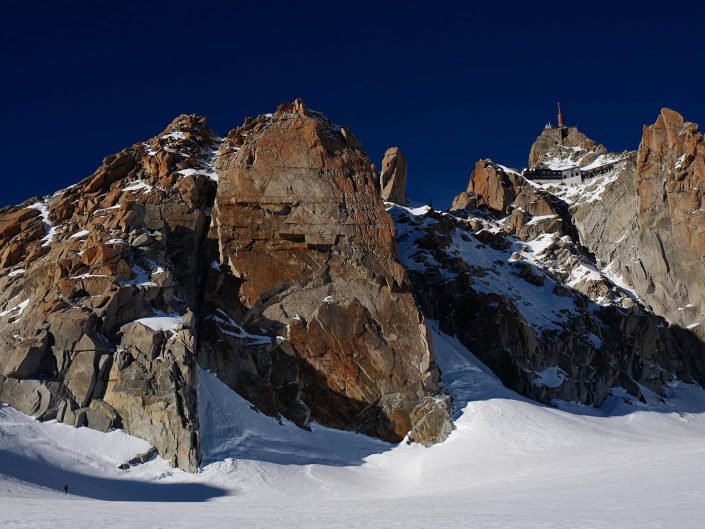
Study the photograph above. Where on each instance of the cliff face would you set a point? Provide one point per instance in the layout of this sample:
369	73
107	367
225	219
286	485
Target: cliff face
306	255
624	245
98	286
670	183
268	258
649	226
291	293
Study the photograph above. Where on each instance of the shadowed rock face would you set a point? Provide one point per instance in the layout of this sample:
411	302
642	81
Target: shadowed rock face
307	261
528	311
79	272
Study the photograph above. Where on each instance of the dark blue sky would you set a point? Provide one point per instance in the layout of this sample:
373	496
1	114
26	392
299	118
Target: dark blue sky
446	81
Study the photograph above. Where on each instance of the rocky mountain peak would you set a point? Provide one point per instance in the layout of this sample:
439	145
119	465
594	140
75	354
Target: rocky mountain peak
266	257
625	242
562	146
186	123
306	252
669	180
297	106
673	145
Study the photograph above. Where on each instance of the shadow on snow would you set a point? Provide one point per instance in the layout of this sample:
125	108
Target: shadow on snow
48	475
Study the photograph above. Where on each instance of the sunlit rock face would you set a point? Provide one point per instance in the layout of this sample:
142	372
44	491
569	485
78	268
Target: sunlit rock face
392	178
563	146
305	256
111	290
98	287
268	258
648	225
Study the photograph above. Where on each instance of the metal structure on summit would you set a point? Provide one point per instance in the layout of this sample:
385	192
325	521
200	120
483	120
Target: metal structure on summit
568	172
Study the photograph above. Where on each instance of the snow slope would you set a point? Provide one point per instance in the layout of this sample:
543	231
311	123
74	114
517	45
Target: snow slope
510	463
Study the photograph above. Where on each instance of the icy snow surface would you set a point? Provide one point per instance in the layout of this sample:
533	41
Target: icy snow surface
50	230
230	327
16	310
162	322
590	190
80	234
138	185
511	463
539	306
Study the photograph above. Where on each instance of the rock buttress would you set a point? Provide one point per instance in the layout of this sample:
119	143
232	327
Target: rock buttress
309	313
98	286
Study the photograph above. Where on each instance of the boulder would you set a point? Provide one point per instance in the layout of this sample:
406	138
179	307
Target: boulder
98	416
24	355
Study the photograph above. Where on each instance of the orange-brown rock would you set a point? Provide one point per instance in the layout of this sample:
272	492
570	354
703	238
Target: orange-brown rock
11	223
502	191
392	179
670	185
301	304
491	186
649	224
307	256
78	268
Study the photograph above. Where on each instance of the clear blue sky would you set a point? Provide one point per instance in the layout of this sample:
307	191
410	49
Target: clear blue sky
446	81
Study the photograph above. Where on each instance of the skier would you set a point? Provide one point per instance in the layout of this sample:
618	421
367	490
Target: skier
66	488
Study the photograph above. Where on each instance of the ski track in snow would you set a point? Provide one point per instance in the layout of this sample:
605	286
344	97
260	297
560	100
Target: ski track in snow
510	463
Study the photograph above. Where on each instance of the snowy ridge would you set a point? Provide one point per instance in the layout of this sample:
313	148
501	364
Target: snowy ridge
496	265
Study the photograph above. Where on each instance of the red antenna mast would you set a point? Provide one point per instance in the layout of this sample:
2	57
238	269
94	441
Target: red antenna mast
560	117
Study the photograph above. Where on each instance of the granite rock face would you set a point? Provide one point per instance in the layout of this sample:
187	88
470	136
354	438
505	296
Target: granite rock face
284	281
268	258
567	145
623	245
89	273
309	314
535	309
392	179
648	226
526	210
491	186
